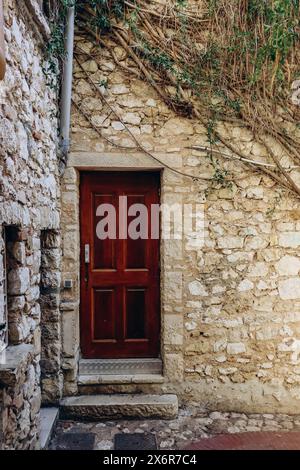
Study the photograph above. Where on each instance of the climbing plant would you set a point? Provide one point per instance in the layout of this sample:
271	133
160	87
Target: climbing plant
227	61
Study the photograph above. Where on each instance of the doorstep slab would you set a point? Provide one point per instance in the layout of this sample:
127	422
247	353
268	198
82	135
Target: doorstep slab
97	407
48	418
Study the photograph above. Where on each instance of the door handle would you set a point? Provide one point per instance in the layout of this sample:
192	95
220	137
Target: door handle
86	262
87	253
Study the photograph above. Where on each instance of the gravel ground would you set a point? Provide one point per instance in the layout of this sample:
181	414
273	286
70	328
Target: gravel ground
191	425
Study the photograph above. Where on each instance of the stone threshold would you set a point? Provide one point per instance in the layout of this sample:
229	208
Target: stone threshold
118	367
97	379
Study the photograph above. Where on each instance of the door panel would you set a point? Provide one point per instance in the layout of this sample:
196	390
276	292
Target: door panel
103	250
135	313
120	302
104	307
135	250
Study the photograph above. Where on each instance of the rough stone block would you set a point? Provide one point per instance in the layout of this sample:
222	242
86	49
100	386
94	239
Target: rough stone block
289	289
236	348
18	281
173	286
288	266
289	239
70	332
174	367
173	329
95	407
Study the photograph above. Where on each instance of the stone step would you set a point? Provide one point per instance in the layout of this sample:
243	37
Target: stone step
105	379
120	366
97	407
49	417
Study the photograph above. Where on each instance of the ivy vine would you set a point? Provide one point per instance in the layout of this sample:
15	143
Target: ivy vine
227	60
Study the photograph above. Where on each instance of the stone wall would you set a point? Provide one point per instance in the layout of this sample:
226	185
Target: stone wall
230	309
29	203
20	400
50	316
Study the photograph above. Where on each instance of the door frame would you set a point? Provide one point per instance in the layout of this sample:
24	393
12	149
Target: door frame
84	295
172	272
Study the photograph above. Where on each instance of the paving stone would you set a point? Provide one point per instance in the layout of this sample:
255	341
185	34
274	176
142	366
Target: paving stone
135	441
76	441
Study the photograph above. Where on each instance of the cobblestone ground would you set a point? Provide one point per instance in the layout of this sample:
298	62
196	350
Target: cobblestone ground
190	426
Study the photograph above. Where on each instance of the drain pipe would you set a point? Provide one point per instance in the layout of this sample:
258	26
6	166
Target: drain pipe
66	93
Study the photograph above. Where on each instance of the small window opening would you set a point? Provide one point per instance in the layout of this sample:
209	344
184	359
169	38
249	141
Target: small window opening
2	47
3	292
9	236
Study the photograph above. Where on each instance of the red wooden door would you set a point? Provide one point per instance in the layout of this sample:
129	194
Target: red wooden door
119	275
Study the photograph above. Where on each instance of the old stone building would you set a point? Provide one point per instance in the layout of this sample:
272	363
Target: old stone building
229	308
221	312
30	223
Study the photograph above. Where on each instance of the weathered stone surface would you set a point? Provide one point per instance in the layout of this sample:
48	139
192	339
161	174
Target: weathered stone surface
122	379
117	126
11	362
236	348
289	289
255	193
119	89
288	266
289	239
174	367
109	406
18	281
176	126
230	242
245	285
196	288
173	285
19	252
259	269
131	118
